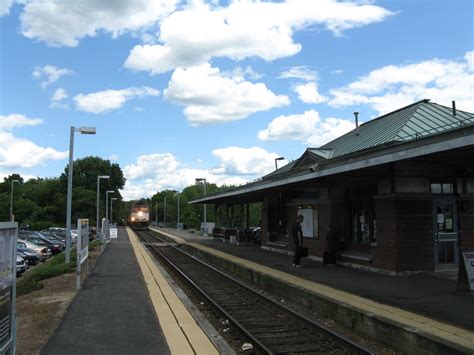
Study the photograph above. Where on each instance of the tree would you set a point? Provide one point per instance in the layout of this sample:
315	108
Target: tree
85	174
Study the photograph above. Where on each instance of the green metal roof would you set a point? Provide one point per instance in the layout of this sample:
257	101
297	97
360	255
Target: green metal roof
423	119
418	120
415	121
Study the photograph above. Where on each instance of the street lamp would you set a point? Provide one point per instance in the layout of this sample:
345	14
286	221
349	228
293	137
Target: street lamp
98	201
107	203
11	200
178	211
276	159
164	215
156	214
111	207
205	210
177	193
81	130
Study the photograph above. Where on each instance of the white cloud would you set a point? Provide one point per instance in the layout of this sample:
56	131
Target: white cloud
308	93
57	100
241	74
147	166
299	72
22	153
64	23
101	101
18	152
5	7
160	171
329	129
292	127
245	161
244	29
15	120
392	87
307	128
49	74
210	97
113	157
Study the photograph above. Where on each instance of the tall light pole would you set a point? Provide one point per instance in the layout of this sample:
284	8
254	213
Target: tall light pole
11	199
205	209
82	130
98	202
156	214
276	159
107	203
178	211
164	215
177	193
111	207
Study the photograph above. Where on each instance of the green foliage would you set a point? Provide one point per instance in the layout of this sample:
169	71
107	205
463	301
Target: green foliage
41	203
94	244
56	266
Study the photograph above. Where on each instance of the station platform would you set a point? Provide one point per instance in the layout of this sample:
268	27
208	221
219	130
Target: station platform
126	306
422	308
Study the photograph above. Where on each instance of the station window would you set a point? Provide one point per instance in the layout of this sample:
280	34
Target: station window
442	188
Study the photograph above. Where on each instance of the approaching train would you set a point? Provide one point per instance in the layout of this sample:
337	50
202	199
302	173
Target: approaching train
139	217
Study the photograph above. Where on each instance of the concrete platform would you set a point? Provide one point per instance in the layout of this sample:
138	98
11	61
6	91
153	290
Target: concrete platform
127	307
419	313
112	313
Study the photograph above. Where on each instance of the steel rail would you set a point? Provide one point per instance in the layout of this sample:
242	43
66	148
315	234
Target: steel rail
203	293
331	334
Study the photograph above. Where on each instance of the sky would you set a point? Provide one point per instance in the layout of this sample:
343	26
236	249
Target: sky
180	90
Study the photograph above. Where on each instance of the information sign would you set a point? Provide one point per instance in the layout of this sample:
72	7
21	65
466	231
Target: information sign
307	224
8	236
113	233
82	250
469	262
83	239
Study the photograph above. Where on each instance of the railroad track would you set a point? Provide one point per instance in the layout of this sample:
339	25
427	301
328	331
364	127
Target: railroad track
269	326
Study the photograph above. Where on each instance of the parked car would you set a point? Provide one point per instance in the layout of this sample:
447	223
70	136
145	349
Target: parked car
31	257
42	251
20	265
39	239
58	231
73	235
53	236
62	233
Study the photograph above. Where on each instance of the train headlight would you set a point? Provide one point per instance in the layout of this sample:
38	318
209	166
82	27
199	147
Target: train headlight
140	213
133	219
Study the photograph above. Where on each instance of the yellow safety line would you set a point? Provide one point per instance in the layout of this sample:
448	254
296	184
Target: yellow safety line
183	334
407	319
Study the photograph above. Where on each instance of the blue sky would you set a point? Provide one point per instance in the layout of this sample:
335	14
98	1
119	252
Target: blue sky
218	89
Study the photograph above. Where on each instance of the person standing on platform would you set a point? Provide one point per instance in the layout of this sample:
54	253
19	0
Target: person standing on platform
297	235
331	248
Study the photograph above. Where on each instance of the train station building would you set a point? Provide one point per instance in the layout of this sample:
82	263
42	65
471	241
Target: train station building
398	190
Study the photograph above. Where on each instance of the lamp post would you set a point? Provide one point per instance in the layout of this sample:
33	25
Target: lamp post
205	209
276	159
107	203
111	207
11	200
156	214
98	201
82	130
164	215
177	193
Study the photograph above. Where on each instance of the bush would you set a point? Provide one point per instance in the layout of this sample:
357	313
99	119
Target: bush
94	244
54	267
